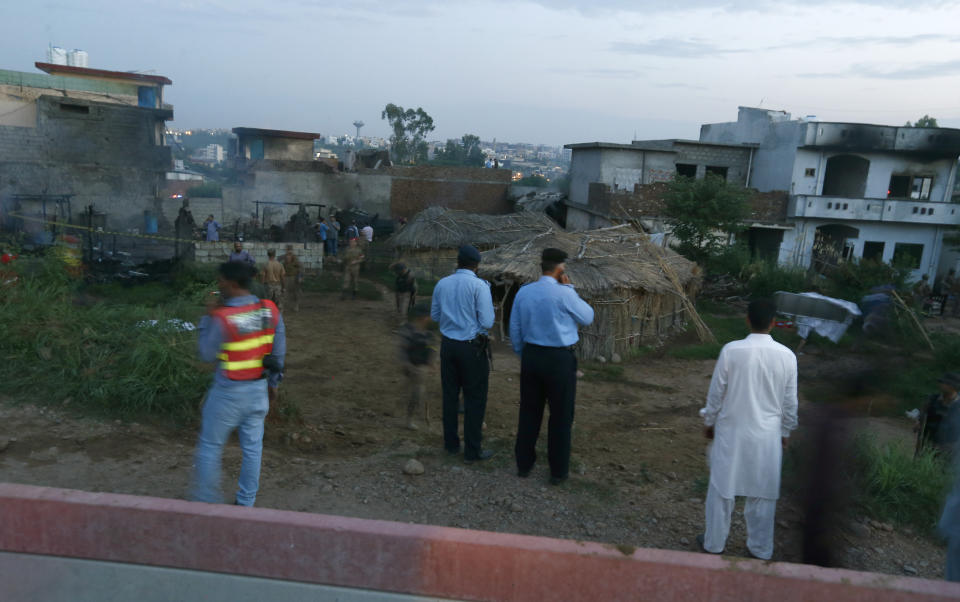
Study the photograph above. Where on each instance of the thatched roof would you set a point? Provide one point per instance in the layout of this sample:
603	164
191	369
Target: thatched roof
599	261
441	228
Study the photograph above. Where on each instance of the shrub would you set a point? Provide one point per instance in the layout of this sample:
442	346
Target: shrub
895	486
764	278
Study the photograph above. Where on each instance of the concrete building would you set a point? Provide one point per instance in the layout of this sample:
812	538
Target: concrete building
92	135
211	153
598	168
856	190
256	144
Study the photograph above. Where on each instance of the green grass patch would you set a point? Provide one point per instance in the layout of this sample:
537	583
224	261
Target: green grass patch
894	486
604	373
94	354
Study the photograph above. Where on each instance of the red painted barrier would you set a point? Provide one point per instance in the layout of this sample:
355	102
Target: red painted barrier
403	558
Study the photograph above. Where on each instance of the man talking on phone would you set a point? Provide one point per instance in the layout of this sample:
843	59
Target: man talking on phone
543	331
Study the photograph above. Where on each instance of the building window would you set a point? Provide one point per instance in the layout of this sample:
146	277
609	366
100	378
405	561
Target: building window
920	189
845	205
75	109
930	211
829	205
810	172
915	209
873	250
686	170
910	187
717	171
908	255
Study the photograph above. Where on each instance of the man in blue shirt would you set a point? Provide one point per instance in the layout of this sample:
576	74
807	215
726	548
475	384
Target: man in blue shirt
234	401
212	229
241	255
463	307
543	330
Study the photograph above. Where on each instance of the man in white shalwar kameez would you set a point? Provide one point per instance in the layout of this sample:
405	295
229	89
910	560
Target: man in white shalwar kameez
751	409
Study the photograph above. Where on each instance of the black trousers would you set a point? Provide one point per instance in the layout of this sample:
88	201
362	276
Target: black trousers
464	366
547	375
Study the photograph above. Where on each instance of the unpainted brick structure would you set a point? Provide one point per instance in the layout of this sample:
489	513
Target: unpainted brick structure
105	154
310	253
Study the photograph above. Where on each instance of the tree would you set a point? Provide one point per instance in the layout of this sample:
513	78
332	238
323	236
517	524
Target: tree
924	122
408	143
465	151
705	213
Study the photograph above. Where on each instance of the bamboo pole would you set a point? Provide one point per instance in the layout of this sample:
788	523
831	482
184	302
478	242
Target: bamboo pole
914	318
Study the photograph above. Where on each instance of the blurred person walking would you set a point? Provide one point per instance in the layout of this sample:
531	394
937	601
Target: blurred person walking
751	410
333	236
352	258
247	339
463	307
293	277
543	331
273	277
416	354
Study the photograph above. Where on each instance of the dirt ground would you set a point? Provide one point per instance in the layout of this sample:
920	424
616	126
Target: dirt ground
639	469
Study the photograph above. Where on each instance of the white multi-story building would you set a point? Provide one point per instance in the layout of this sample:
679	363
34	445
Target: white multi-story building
211	153
856	190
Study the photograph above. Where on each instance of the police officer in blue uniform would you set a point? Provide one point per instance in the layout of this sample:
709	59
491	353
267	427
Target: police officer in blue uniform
543	330
463	307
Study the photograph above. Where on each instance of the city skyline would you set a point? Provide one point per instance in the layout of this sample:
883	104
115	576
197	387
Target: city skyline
546	72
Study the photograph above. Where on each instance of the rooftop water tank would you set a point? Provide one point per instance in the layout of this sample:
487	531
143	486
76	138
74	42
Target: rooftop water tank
77	58
56	55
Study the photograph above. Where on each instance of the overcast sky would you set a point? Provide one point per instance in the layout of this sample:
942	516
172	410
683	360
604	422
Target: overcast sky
543	71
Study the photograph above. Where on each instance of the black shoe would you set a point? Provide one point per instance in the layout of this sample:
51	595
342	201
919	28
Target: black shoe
453	451
558	480
524	473
483	455
700	539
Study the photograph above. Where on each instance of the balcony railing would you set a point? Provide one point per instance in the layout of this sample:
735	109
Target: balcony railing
877	210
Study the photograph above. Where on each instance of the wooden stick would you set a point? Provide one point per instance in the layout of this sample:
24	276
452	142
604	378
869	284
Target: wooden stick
916	320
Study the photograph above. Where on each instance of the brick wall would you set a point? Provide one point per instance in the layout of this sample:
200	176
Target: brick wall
310	254
648	201
106	155
473	189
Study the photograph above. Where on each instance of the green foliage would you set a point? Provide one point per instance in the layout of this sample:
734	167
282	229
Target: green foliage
852	280
730	261
918	369
604	373
94	354
705	213
533	180
211	190
924	122
408	143
764	278
465	151
894	486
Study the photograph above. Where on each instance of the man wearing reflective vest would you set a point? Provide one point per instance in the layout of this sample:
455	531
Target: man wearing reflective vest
237	334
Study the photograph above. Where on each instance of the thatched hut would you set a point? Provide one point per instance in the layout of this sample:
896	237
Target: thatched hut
640	292
428	243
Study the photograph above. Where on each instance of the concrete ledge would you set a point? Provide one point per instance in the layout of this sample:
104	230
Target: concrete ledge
410	559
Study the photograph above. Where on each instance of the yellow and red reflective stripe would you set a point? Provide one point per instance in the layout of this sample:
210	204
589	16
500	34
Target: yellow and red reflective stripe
248	344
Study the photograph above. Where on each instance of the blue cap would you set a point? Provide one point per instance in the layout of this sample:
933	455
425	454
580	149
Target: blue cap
468	254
